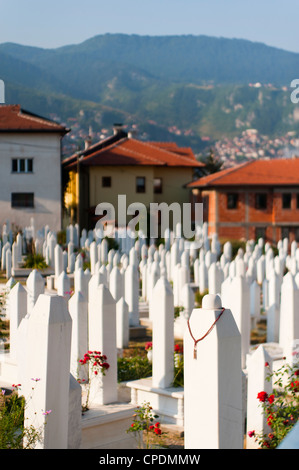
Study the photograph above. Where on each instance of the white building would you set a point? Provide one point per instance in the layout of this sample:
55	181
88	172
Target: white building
30	176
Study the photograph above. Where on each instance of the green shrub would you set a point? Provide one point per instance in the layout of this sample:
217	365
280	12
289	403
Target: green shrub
35	261
133	368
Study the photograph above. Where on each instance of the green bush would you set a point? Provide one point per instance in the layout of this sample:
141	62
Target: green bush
35	261
133	368
13	433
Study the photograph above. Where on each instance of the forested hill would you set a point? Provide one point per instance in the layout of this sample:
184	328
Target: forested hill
199	84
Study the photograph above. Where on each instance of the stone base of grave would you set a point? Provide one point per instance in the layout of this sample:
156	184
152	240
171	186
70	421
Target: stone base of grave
137	331
25	272
104	427
168	403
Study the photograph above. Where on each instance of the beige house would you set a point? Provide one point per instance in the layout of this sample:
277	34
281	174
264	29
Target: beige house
30	155
145	172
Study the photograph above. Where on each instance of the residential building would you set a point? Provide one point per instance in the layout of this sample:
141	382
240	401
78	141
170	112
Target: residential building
145	172
30	178
259	198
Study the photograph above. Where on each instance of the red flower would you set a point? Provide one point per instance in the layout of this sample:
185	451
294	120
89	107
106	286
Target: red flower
251	433
158	431
295	385
269	419
271	398
296	372
266	364
157	424
177	348
151	427
262	396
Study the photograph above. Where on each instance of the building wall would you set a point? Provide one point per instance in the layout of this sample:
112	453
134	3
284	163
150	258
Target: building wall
123	182
44	181
248	222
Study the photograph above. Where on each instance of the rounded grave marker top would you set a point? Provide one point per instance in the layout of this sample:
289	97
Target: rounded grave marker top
211	302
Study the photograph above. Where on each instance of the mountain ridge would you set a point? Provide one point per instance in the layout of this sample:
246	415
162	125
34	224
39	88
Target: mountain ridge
199	84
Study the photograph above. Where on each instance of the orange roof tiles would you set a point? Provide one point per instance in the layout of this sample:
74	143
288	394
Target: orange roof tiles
129	151
275	172
15	119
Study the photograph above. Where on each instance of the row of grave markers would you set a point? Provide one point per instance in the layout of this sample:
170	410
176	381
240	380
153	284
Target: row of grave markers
105	303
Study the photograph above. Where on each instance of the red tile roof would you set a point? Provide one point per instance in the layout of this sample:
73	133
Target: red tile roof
130	151
275	172
15	119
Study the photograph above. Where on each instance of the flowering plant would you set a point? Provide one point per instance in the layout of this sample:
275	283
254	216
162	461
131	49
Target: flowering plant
143	424
281	407
178	380
14	433
97	362
148	346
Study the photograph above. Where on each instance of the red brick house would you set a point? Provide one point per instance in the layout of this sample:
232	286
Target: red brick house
255	199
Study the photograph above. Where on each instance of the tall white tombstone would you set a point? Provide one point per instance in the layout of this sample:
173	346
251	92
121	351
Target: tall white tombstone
132	293
257	373
215	277
255	302
93	256
163	334
48	359
64	285
79	345
289	316
212	379
8	263
17	305
239	304
116	283
122	324
273	312
35	286
58	261
102	337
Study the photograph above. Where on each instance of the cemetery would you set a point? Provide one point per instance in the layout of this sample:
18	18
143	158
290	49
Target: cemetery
212	321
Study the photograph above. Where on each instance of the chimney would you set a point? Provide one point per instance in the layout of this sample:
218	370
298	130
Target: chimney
117	127
132	134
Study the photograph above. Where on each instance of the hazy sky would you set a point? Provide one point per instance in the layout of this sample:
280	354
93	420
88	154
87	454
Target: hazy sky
56	23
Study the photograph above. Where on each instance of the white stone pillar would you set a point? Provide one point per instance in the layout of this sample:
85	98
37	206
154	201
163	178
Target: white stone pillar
163	334
35	285
132	293
79	346
289	317
48	359
273	312
257	373
239	304
102	337
17	305
213	379
122	324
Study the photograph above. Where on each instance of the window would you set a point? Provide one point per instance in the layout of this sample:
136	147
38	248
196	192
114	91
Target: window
140	184
22	165
260	232
261	201
232	200
285	232
19	200
106	181
157	185
286	200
